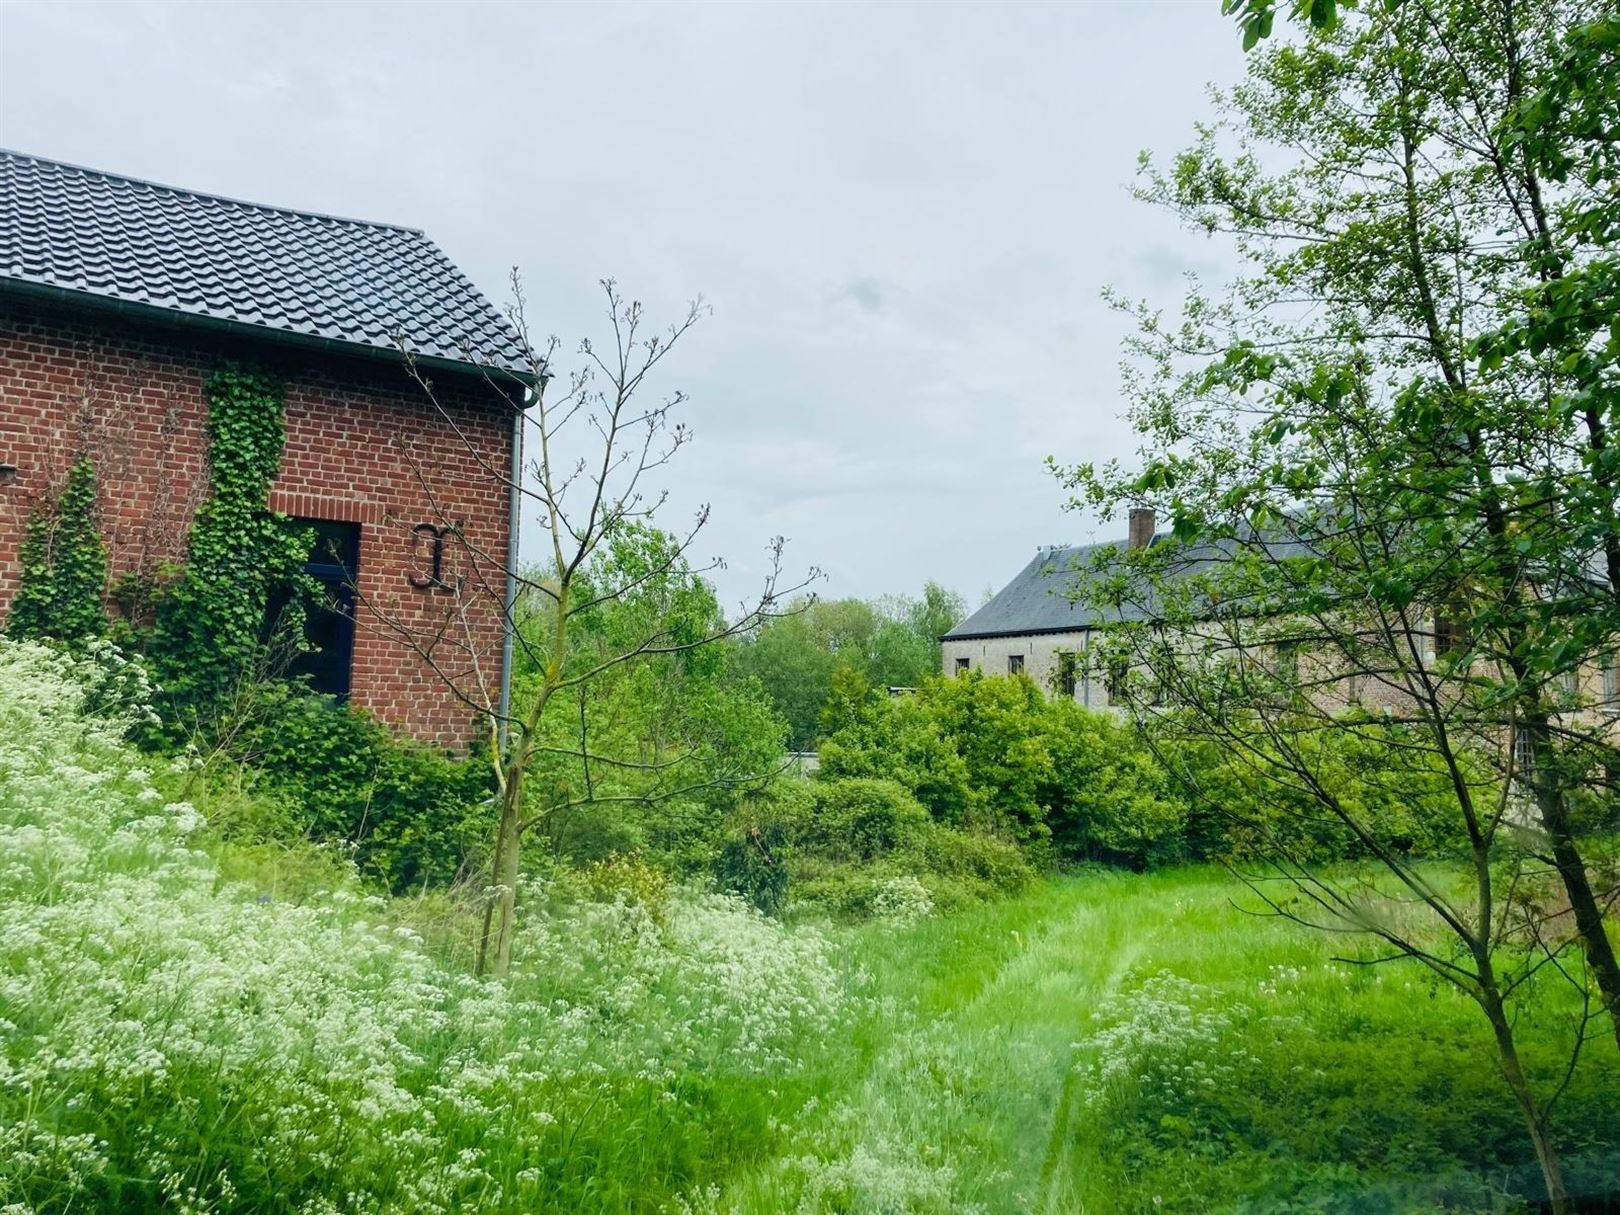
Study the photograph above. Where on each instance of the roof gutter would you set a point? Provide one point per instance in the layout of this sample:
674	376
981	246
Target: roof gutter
266	333
1078	627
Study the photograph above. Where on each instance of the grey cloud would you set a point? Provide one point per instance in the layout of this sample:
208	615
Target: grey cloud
903	215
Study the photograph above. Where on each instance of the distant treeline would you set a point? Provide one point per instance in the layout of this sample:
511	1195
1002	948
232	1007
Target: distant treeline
889	642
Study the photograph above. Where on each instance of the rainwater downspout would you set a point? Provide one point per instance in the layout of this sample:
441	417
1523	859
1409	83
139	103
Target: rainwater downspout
514	514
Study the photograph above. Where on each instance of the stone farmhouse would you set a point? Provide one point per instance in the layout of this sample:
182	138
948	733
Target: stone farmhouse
119	298
1034	626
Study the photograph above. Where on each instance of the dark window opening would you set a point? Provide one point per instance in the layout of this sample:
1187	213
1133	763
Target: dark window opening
1114	676
1068	674
1449	635
1015	664
328	643
962	665
1287	653
1161	670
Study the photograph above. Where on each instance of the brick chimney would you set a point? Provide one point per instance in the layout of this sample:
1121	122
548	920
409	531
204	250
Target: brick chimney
1141	529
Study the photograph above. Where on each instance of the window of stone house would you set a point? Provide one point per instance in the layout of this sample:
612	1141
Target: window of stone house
1353	687
1067	672
1524	755
326	662
963	665
1449	635
1015	664
1162	665
1114	677
1287	653
1611	679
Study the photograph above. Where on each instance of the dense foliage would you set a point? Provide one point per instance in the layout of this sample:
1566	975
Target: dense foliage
856	848
994	754
173	1042
409	816
644	756
800	656
64	565
212	634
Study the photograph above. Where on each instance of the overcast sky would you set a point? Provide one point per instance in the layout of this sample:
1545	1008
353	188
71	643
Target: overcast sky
903	216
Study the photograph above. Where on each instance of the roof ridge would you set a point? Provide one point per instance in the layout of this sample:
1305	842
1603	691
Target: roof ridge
206	197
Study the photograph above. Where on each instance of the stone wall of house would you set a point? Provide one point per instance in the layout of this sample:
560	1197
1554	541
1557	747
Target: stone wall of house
1597	685
364	445
1040	653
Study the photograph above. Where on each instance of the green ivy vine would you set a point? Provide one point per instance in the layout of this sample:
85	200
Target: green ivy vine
64	566
212	634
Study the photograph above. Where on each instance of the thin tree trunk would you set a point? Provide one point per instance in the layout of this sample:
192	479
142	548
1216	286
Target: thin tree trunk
495	943
1552	1171
1552	805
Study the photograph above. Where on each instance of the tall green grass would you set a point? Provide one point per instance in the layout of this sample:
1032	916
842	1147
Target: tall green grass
191	1026
171	1039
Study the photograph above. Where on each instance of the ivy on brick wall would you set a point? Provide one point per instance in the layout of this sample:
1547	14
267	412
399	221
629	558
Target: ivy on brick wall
64	565
213	635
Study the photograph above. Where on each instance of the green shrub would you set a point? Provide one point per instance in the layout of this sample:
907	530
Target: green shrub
752	862
1109	799
1395	786
412	816
847	848
859	820
1066	782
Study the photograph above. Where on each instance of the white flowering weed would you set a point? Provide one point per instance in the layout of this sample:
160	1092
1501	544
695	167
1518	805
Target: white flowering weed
1166	1039
902	899
170	1041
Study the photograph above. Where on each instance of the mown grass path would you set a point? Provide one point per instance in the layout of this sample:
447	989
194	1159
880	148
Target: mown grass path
964	1088
965	1096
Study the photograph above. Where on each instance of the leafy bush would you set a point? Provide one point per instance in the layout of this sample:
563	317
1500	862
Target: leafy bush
1109	799
852	849
1290	1099
171	1042
995	753
1072	784
1401	793
412	816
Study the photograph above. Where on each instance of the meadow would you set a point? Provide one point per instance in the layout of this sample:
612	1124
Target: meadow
191	1024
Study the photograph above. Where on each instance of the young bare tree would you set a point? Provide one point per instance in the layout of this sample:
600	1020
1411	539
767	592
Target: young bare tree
590	443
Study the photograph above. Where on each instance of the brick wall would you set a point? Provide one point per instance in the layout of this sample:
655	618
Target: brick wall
364	445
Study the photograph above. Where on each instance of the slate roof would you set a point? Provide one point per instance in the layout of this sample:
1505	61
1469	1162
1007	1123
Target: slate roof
101	239
1034	601
1039	599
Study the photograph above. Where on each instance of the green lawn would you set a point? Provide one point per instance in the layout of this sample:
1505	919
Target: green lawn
1275	1079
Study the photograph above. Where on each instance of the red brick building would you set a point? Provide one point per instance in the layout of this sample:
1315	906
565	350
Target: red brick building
119	298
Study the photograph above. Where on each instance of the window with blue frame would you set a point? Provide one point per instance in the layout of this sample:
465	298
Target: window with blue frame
326	660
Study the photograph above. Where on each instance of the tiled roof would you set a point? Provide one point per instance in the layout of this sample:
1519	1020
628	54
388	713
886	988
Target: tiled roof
305	276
